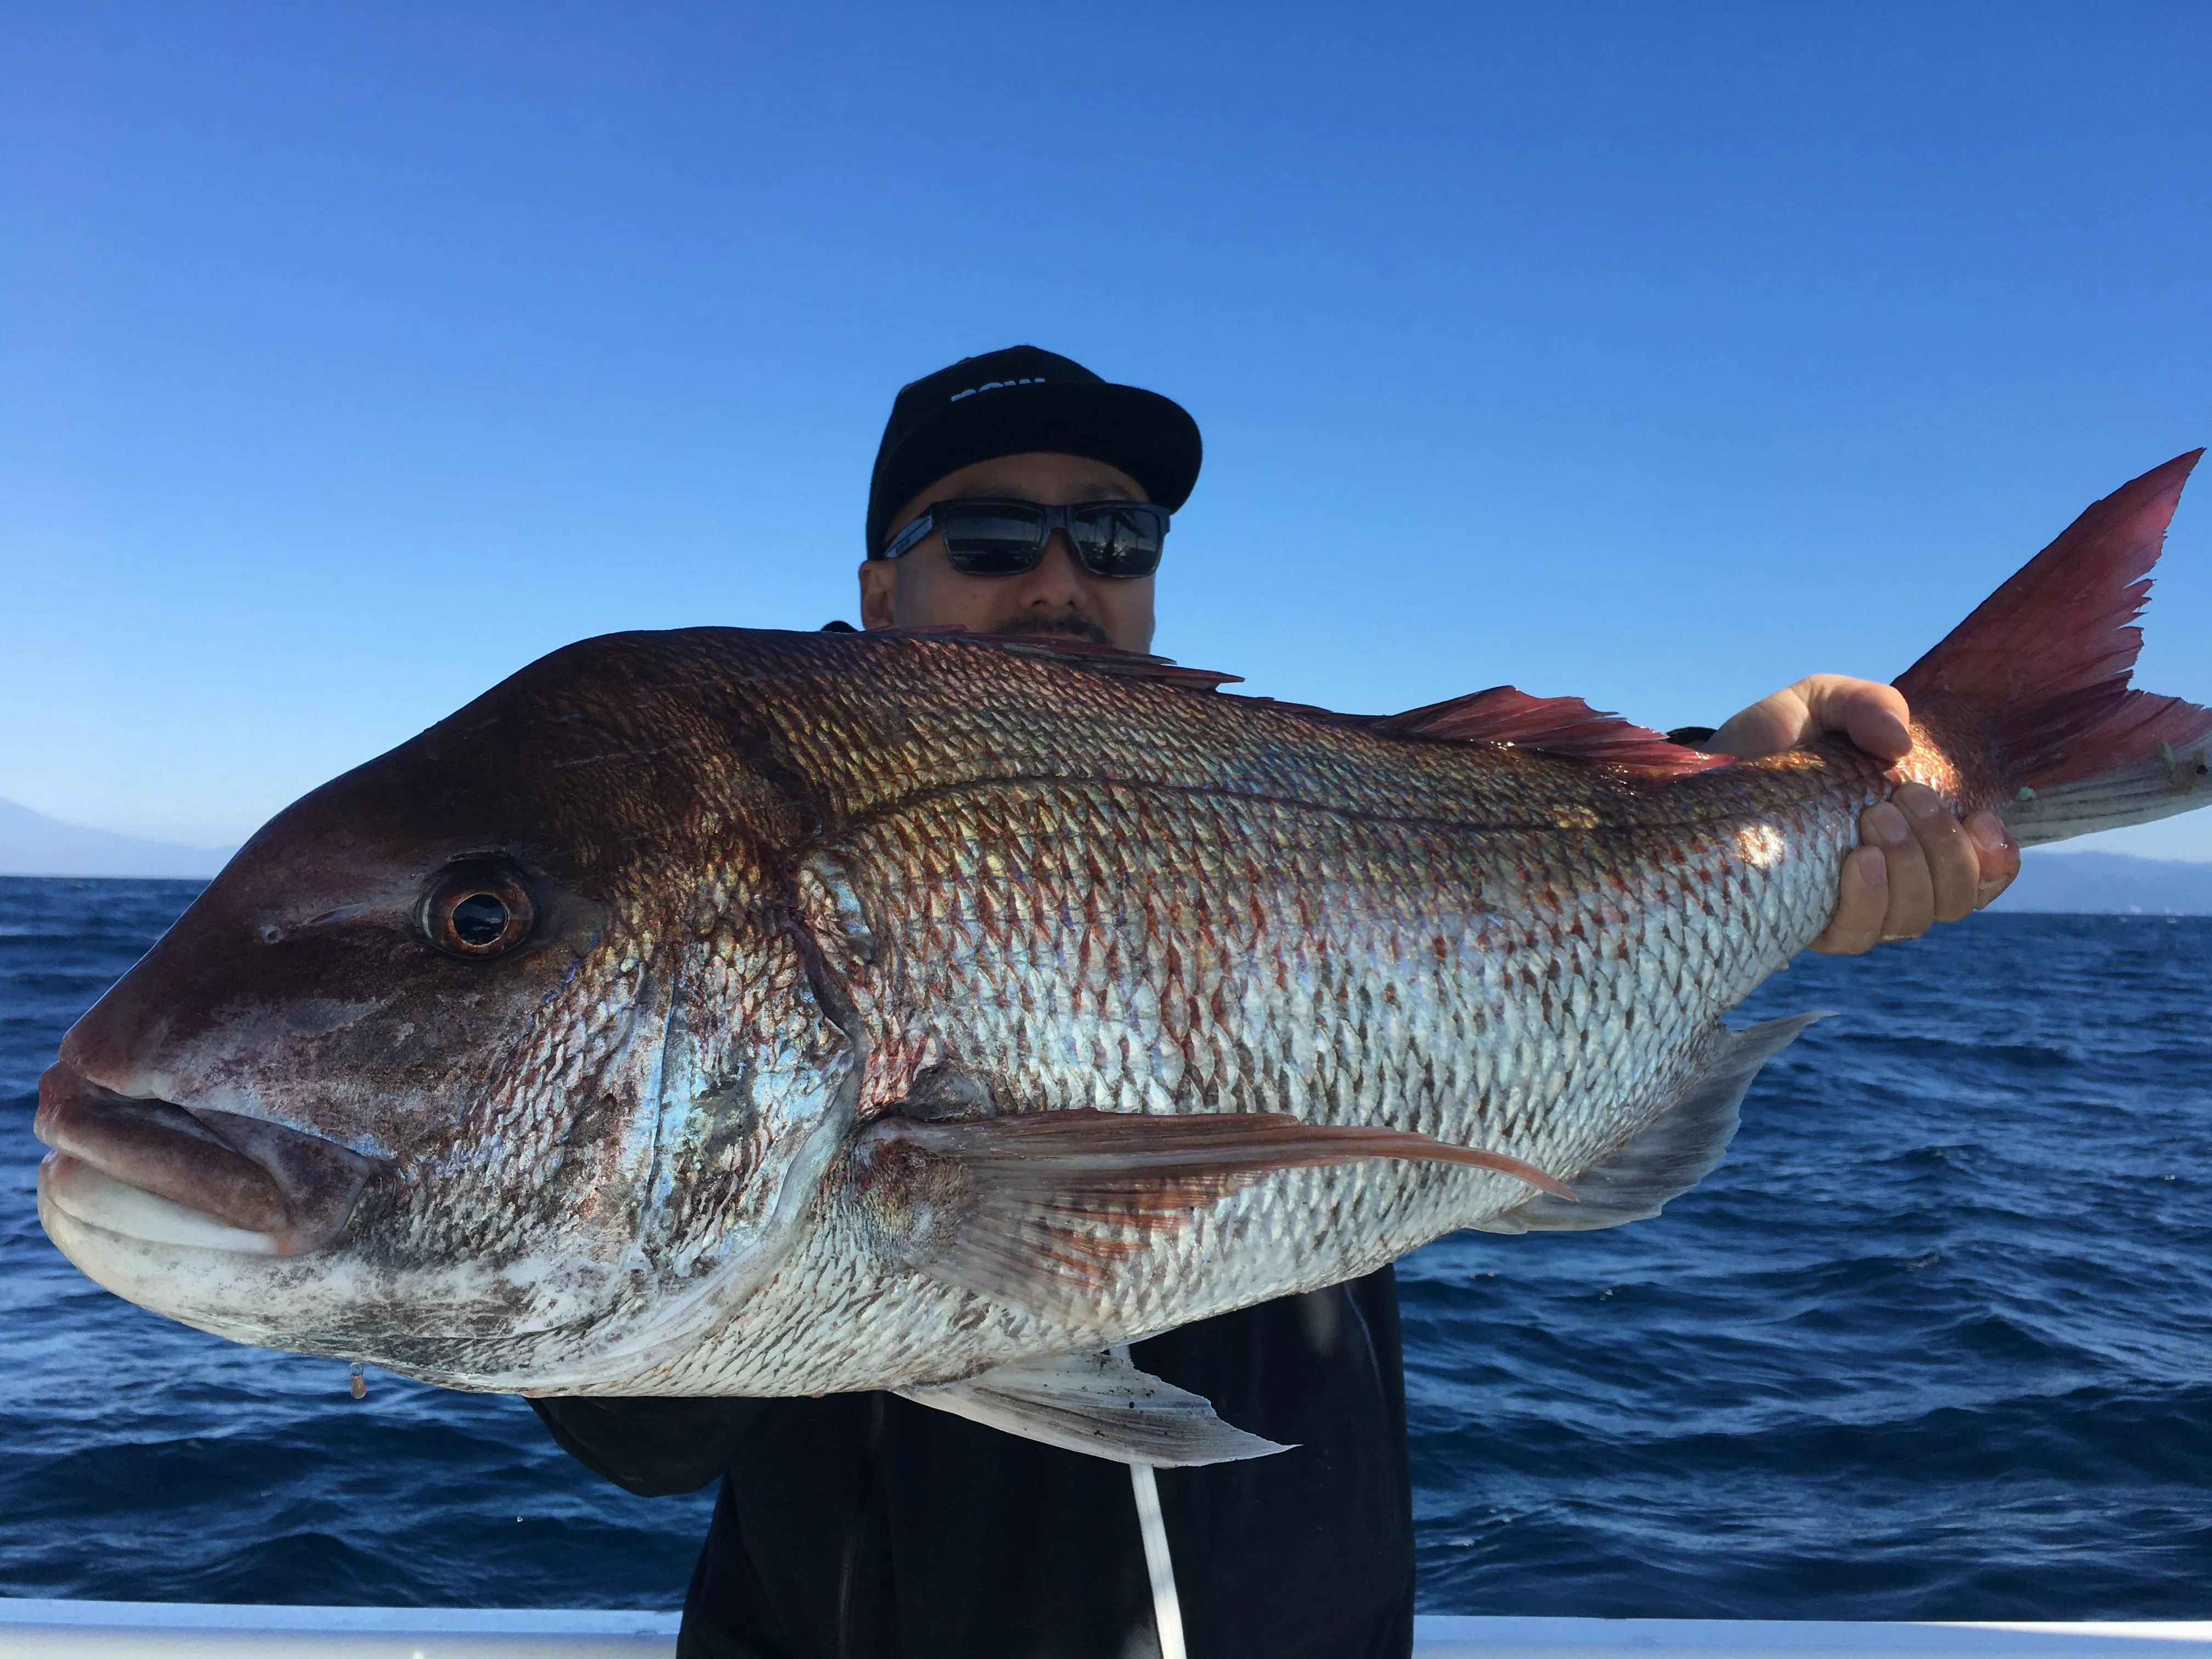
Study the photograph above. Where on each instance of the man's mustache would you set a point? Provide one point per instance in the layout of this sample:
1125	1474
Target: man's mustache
1072	626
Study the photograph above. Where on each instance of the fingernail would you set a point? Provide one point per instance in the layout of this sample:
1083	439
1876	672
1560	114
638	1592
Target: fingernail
1989	832
1875	871
1888	825
1917	799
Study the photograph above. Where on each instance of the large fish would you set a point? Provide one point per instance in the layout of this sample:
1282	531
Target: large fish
722	1012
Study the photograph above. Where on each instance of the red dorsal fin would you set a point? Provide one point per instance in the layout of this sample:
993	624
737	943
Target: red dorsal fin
1565	726
1083	654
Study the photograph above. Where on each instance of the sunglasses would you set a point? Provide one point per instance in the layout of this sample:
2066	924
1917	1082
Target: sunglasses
1004	538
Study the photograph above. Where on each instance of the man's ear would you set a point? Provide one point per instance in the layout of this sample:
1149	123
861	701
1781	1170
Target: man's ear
878	593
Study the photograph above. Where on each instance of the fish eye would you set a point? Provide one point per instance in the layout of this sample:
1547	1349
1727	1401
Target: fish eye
477	910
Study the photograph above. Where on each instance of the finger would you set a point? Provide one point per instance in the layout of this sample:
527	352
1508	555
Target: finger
1911	890
1861	901
1768	726
1954	865
1998	853
1873	715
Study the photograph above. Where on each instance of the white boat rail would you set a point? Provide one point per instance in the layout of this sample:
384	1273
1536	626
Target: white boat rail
182	1629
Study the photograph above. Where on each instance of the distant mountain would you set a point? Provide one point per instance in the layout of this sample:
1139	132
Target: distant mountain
2109	883
33	844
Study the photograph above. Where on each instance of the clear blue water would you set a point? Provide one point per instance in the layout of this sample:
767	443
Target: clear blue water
1936	1342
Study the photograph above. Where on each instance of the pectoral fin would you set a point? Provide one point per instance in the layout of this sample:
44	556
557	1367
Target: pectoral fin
1038	1208
1676	1151
1097	1403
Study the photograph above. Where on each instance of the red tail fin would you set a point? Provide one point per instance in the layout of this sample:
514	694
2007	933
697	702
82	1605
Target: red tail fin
2041	669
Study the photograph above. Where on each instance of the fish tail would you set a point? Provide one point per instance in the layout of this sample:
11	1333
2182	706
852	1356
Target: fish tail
2030	696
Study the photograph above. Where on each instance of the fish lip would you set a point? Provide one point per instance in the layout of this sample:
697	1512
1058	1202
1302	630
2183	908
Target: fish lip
97	1203
236	1173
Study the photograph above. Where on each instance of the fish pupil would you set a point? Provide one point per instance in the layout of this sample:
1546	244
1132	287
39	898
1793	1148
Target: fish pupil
480	918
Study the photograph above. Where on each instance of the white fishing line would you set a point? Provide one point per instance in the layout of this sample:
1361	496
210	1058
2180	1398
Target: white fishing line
1159	1564
1167	1610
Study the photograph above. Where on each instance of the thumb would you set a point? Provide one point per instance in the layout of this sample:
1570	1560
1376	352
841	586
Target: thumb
1770	725
1873	715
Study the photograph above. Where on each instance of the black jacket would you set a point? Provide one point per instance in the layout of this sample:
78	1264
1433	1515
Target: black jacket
865	1526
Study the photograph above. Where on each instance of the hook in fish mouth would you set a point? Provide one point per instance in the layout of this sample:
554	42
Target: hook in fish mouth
167	1174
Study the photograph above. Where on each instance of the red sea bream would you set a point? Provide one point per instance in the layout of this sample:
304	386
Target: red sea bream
725	1012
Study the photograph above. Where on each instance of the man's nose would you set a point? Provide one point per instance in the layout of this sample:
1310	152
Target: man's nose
1057	581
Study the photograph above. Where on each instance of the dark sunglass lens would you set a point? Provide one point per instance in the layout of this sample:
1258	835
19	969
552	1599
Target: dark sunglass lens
1120	541
992	539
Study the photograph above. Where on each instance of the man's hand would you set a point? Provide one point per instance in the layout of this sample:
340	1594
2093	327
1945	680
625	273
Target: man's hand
1916	864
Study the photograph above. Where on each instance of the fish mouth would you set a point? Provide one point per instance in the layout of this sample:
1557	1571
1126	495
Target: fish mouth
165	1174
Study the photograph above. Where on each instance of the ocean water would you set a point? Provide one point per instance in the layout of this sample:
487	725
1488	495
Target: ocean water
1936	1342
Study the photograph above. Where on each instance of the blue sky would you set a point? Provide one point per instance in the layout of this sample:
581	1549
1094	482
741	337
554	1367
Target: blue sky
352	356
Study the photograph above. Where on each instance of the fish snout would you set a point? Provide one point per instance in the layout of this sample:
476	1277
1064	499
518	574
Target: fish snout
168	1174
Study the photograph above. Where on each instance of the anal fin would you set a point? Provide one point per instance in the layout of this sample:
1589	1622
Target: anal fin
1097	1403
1634	1180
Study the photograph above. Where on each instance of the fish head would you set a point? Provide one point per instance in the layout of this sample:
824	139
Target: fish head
493	1061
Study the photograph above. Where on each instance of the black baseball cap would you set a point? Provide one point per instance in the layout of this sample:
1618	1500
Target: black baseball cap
1012	401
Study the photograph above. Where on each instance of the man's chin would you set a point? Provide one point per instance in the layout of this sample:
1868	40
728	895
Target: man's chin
1065	628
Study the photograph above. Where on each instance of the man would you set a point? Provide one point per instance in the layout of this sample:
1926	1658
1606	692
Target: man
1018	493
